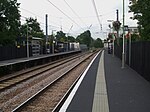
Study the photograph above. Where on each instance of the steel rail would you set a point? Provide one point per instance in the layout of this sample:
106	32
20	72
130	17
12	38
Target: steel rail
61	102
34	75
19	107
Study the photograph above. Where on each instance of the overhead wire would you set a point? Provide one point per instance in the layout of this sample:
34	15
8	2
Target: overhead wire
31	13
43	24
40	17
104	14
51	21
72	11
65	14
97	14
37	15
75	13
88	27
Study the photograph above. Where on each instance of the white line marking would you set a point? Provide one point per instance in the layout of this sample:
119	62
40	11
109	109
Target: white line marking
70	97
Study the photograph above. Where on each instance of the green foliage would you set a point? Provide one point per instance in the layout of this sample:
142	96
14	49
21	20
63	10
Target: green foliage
9	21
116	25
60	36
98	43
71	39
135	37
110	36
33	28
85	38
141	10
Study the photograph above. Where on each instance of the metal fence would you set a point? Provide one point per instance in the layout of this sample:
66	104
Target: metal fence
139	57
12	52
118	48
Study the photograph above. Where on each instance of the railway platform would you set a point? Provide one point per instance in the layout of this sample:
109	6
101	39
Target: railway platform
38	57
106	87
13	65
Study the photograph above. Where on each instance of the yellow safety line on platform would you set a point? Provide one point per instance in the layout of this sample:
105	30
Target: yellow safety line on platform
100	103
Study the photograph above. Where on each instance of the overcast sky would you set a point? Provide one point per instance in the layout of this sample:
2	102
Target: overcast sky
83	18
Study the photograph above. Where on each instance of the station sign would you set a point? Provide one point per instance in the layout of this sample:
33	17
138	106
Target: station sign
126	28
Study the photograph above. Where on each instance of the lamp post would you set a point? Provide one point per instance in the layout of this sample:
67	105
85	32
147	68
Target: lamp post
123	48
53	42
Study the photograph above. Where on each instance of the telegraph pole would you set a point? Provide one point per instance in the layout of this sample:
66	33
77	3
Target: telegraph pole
117	20
117	15
46	33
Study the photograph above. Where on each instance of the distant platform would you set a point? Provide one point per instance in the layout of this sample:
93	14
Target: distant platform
9	66
20	60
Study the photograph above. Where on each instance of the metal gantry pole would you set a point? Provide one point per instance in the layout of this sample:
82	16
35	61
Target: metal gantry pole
27	42
113	43
123	48
117	12
67	38
46	38
53	42
129	49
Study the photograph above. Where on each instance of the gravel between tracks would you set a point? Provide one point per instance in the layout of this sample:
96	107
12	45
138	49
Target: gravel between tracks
12	97
49	99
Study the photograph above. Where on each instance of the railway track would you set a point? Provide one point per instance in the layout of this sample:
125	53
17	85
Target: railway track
12	97
6	83
13	75
47	99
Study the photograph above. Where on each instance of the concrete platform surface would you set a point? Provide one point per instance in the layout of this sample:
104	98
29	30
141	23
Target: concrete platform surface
107	87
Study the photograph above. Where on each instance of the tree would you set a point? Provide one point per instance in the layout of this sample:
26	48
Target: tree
135	37
85	38
98	43
33	28
9	21
116	25
141	9
60	36
71	39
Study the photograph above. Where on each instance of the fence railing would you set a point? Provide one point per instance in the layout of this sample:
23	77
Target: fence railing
12	52
139	56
